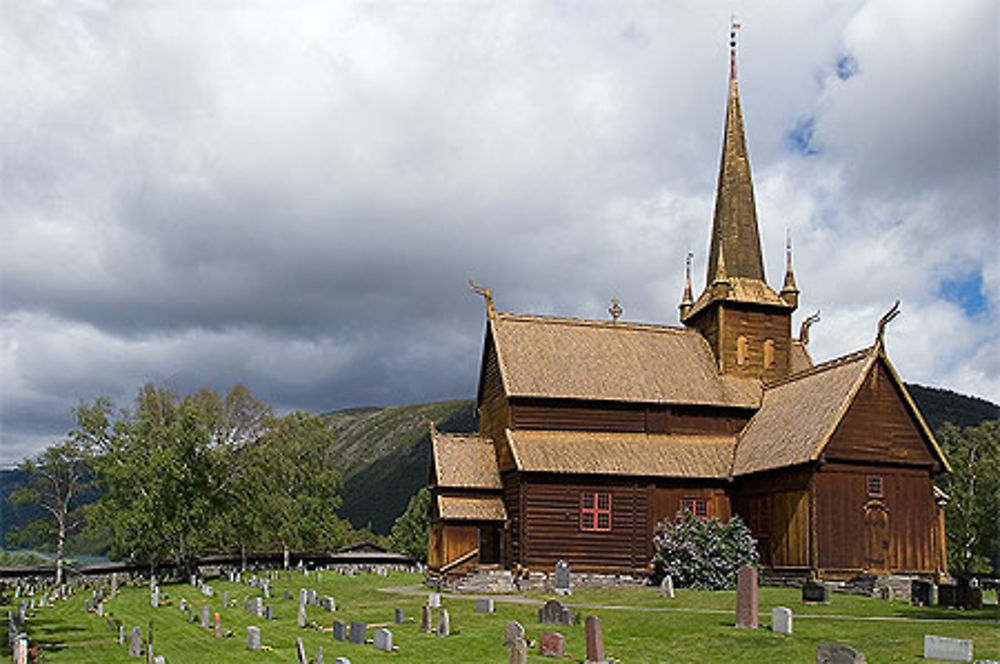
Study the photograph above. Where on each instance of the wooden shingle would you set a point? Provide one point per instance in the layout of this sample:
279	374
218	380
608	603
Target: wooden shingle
471	508
463	462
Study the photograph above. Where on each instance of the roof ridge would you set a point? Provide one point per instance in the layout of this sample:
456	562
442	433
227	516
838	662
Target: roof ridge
848	358
591	322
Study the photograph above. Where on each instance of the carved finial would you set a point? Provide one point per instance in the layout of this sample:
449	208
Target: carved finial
431	426
804	329
789	291
885	320
733	27
687	300
615	309
487	294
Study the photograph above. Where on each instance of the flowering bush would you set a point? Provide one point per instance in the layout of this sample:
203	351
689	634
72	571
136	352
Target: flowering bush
703	554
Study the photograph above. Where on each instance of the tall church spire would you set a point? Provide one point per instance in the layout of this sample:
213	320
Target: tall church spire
735	238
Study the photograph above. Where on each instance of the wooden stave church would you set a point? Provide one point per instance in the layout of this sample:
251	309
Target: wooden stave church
592	432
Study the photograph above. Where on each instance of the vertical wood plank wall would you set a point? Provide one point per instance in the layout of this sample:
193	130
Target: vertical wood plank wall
494	408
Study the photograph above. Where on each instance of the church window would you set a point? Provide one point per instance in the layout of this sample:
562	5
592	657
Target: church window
697	506
595	511
768	353
875	488
741	350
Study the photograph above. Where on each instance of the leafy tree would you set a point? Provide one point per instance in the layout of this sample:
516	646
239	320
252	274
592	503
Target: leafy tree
59	476
409	532
703	554
973	524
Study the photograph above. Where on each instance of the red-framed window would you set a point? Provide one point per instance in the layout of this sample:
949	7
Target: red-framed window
595	511
698	506
876	487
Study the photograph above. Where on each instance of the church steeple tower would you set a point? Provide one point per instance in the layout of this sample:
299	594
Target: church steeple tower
746	322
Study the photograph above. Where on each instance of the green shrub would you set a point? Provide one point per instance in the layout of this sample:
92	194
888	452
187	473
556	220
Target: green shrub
703	554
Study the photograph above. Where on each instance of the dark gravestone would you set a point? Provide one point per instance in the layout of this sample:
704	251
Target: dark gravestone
288	595
268	612
562	583
746	597
555	612
426	624
552	644
815	593
833	653
444	624
400	616
339	630
357	634
595	641
135	643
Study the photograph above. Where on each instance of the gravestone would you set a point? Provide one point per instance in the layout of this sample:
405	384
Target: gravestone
746	597
135	643
100	609
425	619
815	593
595	641
268	612
303	596
266	588
484	605
154	597
399	616
206	617
444	624
300	651
216	626
318	659
288	595
667	587
383	640
434	600
341	660
951	650
781	620
357	633
225	599
313	601
329	603
258	607
513	640
554	612
834	653
121	635
552	644
86	607
159	659
301	618
562	583
253	637
339	630
190	613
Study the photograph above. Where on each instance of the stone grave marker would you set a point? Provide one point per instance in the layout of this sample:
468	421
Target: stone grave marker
86	607
303	596
562	583
667	587
225	599
206	617
484	605
253	637
216	626
425	619
135	643
357	633
329	603
258	606
834	653
301	618
595	641
434	600
554	612
444	624
313	598
951	650
552	644
318	659
121	635
341	660
814	592
190	614
399	616
746	597
300	651
339	630
288	595
266	588
159	659
383	640
781	620
513	640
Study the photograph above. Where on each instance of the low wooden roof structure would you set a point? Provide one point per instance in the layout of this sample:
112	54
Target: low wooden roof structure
463	462
572	358
471	508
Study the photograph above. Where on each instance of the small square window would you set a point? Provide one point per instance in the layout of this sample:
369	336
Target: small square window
697	506
875	487
595	511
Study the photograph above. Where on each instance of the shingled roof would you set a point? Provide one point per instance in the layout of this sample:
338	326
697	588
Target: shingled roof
798	414
477	508
571	358
463	462
647	455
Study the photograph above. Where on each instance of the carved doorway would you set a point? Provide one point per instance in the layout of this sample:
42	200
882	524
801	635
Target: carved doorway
876	537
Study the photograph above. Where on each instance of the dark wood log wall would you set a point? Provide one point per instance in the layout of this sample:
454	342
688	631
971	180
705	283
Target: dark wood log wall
494	409
878	426
570	415
842	501
666	501
777	507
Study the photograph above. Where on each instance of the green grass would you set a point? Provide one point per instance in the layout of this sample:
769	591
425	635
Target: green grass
703	634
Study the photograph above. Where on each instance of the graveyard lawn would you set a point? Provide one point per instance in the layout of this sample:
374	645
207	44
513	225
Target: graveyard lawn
701	631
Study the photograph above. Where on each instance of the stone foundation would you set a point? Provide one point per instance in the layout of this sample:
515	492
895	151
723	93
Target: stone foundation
504	581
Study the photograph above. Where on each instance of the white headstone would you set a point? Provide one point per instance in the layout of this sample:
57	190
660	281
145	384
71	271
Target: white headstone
434	600
951	650
781	620
667	587
383	640
253	637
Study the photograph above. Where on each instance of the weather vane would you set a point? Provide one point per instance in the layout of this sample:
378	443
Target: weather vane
733	27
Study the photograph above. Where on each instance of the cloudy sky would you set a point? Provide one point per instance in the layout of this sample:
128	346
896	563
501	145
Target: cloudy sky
294	195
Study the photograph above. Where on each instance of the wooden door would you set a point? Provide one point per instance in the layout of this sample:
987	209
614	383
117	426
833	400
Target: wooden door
876	537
